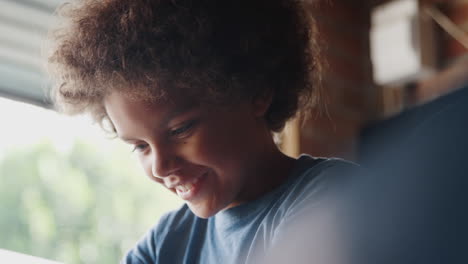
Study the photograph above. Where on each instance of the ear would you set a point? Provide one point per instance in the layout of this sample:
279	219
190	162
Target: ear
261	104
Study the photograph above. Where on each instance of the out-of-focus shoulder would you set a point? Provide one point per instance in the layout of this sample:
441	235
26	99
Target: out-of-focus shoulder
309	166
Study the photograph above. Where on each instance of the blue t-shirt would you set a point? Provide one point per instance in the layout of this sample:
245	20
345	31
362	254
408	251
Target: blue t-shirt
243	233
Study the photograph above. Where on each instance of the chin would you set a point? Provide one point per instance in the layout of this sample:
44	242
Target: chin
202	211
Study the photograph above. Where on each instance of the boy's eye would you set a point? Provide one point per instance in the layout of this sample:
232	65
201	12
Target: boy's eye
139	147
182	130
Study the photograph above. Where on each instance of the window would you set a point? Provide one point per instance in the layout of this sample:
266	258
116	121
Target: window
68	192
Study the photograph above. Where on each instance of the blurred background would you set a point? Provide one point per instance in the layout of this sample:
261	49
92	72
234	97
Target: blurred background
70	193
384	58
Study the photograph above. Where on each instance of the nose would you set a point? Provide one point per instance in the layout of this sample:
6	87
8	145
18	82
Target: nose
164	162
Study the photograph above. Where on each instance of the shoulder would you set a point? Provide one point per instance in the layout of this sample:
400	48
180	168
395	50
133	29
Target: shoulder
314	165
148	247
314	182
310	194
321	173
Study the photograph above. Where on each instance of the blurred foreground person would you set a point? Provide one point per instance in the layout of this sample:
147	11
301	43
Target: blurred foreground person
198	87
409	205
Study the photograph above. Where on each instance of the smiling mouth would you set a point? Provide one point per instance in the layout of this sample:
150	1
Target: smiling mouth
187	190
186	187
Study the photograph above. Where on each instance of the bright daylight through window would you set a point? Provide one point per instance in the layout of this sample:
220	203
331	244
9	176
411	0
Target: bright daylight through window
62	195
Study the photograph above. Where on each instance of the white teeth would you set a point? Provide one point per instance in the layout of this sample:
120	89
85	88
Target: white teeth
188	185
185	187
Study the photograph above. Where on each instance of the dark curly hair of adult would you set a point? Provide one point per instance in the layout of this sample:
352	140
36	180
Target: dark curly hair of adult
213	51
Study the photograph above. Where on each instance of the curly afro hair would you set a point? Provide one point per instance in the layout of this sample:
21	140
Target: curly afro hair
213	51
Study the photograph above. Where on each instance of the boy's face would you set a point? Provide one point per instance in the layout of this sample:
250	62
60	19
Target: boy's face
205	155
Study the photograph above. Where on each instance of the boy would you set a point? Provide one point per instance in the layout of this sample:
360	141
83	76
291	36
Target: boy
198	88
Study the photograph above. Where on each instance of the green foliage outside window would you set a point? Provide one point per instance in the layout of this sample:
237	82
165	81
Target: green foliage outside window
83	205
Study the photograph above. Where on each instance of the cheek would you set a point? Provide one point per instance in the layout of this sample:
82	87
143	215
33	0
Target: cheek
200	152
219	150
227	144
197	151
209	146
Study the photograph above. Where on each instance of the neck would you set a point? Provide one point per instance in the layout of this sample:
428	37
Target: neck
271	169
